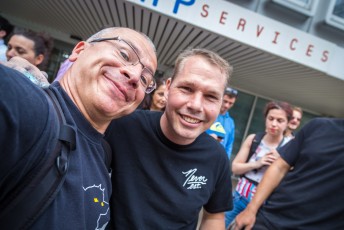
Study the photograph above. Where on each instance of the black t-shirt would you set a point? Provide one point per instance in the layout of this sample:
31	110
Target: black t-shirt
311	196
158	184
28	124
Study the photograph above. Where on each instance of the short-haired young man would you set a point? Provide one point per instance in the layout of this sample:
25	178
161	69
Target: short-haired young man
165	167
229	98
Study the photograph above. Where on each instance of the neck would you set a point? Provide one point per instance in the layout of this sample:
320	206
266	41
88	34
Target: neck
288	132
153	108
273	141
98	124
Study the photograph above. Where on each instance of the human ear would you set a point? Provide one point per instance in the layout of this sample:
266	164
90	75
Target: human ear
39	59
168	85
77	50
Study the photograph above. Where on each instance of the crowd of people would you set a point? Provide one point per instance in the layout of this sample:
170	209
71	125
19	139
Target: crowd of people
170	142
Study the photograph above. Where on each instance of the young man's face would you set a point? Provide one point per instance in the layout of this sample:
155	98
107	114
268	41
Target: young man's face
227	103
194	100
106	88
295	121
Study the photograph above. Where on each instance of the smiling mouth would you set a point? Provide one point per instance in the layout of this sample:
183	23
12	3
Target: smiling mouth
190	120
119	88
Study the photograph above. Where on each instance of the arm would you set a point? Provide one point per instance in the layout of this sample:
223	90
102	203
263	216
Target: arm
239	165
38	77
270	181
212	221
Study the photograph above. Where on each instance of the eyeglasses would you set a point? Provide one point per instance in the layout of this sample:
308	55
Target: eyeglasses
127	55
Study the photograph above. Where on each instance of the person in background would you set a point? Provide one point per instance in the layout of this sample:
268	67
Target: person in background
229	98
311	195
294	123
252	168
165	167
156	100
66	64
110	75
5	31
32	46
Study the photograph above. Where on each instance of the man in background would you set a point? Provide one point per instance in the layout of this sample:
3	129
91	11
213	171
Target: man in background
229	98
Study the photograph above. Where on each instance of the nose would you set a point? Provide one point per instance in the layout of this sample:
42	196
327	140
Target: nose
195	103
133	73
10	53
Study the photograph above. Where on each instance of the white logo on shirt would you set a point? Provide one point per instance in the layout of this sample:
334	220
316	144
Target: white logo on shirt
192	181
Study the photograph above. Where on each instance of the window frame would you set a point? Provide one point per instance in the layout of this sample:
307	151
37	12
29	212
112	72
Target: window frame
292	4
332	19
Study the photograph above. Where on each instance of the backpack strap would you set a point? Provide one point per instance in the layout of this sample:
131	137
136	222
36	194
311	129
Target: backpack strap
108	154
30	203
255	143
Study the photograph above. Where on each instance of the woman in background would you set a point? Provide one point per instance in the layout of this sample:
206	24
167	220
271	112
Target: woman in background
156	100
277	115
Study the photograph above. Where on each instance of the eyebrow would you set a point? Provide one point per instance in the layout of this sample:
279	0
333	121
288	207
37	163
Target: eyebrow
139	53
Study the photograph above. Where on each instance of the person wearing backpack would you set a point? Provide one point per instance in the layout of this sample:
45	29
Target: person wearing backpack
108	79
256	153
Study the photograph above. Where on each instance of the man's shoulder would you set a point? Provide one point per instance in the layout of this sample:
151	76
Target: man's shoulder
324	123
208	143
225	116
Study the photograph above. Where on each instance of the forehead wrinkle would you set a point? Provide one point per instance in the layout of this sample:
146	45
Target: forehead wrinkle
193	85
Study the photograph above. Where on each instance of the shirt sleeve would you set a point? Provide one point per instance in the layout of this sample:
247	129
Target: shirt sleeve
290	151
24	118
231	140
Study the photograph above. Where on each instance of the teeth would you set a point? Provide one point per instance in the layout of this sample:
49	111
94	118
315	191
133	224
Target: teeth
191	120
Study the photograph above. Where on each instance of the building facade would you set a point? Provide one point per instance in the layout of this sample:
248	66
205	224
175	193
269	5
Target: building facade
290	50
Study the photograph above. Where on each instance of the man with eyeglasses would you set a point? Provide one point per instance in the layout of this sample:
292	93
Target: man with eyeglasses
110	74
165	167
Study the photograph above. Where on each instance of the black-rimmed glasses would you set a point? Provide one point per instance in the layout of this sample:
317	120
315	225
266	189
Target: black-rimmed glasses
128	56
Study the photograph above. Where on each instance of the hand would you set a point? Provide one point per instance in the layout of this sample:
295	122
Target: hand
266	160
275	153
245	220
29	70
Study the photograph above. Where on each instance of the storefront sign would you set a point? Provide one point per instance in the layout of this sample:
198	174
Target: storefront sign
255	30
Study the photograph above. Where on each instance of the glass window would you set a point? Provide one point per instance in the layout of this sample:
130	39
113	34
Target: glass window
305	118
240	113
335	14
307	7
258	119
